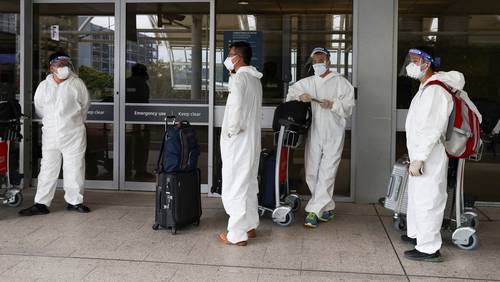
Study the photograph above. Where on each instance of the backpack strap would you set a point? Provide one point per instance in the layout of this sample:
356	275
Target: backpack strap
446	87
159	164
457	120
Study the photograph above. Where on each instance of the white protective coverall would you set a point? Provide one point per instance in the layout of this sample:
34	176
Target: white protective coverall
63	109
426	123
240	151
325	140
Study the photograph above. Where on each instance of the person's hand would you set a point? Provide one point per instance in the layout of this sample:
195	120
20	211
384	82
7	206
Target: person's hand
326	104
416	168
306	98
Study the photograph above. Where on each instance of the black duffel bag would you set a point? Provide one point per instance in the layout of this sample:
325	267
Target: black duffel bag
294	115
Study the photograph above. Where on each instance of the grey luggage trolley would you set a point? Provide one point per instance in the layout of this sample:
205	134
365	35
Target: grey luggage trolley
287	203
462	223
10	181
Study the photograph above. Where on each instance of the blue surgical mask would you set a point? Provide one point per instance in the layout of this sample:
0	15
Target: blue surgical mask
319	69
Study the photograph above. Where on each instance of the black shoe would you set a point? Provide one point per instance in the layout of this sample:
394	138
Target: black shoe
36	209
416	255
79	208
407	239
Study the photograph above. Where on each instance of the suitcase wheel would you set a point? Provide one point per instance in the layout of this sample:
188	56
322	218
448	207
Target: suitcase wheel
399	224
196	223
156	226
173	230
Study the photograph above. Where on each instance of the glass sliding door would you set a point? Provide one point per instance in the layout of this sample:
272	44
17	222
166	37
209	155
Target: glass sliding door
283	33
164	72
86	31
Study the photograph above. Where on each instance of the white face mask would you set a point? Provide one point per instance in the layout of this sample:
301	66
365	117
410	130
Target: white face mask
414	71
228	63
62	73
319	69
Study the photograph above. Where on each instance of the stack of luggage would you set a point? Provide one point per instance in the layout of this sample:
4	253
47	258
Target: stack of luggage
178	201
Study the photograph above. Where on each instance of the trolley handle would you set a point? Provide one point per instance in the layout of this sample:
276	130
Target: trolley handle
288	123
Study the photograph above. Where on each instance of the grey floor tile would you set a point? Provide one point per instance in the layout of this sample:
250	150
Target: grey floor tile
492	213
437	279
283	254
111	242
383	211
9	261
340	276
481	263
131	271
350	243
51	269
204	273
354	209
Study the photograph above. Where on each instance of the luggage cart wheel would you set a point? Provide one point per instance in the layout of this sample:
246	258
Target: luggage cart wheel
15	200
174	230
473	240
471	219
288	220
293	201
296	205
155	226
399	224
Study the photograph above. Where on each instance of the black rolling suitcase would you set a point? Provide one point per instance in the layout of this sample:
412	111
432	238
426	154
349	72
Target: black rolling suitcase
178	201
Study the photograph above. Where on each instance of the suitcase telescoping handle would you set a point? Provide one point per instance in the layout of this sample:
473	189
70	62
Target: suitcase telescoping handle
169	120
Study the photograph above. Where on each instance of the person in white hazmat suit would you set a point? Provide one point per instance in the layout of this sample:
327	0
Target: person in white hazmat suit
426	124
61	101
240	145
332	100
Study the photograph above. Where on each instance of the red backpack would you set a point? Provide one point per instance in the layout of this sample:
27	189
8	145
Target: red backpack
462	138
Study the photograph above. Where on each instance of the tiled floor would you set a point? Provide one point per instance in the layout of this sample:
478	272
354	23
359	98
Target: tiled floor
115	242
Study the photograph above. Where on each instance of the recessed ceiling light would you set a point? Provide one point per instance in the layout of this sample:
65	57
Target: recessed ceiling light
243	2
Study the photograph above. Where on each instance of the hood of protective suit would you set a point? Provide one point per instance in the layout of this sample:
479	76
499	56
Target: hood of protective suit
251	70
454	79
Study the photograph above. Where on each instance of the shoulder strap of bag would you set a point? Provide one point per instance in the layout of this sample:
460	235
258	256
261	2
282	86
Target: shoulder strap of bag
446	87
159	164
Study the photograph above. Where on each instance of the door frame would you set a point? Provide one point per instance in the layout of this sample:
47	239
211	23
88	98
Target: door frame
92	184
149	186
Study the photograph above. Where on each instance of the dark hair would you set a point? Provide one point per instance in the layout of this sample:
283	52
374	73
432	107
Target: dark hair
429	50
243	49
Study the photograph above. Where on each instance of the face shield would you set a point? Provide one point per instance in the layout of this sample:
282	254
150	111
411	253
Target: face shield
417	63
319	61
62	67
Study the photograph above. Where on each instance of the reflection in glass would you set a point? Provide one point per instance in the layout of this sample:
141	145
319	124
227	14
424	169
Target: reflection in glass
86	33
296	164
98	156
287	40
143	144
173	46
467	40
9	63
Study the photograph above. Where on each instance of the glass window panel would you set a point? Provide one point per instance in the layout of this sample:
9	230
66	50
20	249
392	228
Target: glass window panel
142	146
467	40
86	33
301	32
161	37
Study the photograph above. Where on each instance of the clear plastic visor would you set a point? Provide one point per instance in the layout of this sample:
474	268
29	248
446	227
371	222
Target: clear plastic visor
414	59
55	64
